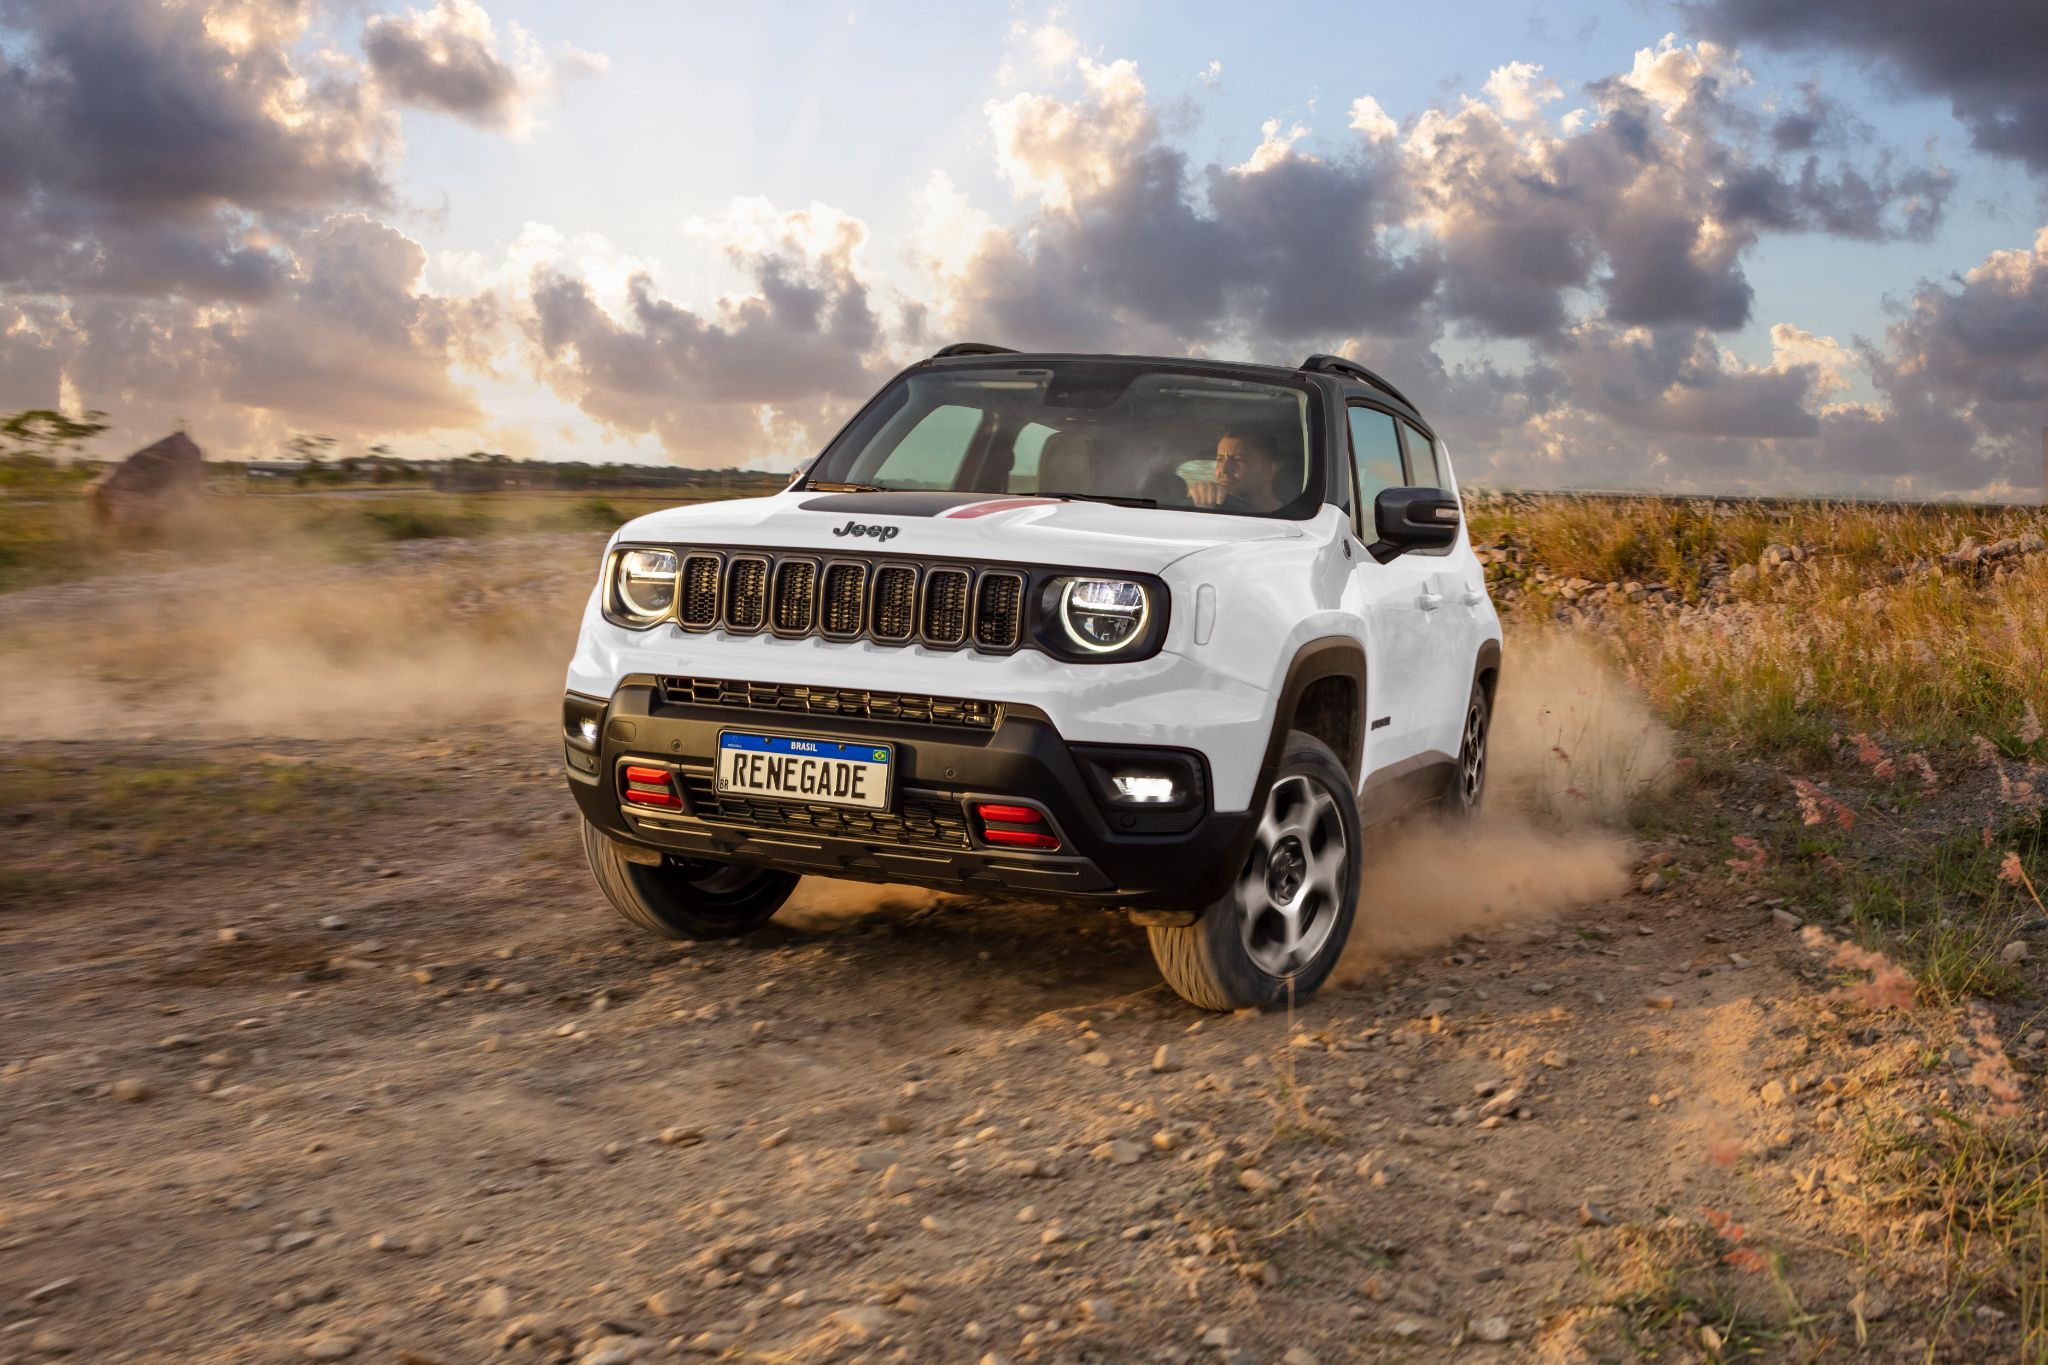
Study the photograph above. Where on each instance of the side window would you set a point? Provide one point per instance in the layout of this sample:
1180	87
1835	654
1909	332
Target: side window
1376	457
930	453
1422	465
1024	457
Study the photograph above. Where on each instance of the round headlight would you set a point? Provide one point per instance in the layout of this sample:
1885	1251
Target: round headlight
1102	615
646	585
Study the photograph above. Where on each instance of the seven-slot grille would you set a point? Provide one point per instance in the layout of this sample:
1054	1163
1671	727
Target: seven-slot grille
860	703
943	606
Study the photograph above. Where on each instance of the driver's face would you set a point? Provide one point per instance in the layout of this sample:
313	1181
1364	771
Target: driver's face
1245	470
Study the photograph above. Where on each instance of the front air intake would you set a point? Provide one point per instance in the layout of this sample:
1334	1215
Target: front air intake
746	594
796	588
892	610
945	608
844	600
998	610
698	607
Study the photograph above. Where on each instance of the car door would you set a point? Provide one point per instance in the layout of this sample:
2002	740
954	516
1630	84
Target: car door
1396	601
1455	593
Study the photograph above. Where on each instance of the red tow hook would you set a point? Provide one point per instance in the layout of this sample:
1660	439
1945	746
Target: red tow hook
646	786
1015	826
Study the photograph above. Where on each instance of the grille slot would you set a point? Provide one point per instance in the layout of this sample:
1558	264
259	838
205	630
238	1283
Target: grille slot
998	610
920	820
698	609
892	612
843	603
746	593
945	607
796	591
859	703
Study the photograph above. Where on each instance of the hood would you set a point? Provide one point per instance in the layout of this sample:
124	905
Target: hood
970	526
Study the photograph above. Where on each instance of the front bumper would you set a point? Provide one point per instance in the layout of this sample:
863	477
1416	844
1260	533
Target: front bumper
1107	856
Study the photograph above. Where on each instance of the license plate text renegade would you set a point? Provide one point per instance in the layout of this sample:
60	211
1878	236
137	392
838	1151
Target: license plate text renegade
1148	634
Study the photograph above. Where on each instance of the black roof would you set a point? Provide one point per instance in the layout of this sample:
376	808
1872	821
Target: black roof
969	353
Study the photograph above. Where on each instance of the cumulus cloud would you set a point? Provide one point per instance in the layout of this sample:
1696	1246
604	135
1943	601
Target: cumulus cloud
1965	370
356	346
189	195
759	375
1520	90
446	58
1127	239
1611	245
1371	122
140	146
1989	58
1651	197
185	231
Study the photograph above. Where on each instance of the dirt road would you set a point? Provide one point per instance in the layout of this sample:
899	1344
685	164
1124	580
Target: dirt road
334	1049
326	1048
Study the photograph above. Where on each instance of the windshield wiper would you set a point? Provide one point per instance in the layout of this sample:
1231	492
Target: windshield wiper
830	486
1117	498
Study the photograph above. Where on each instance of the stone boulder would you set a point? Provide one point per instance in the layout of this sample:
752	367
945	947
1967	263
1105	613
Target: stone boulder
136	493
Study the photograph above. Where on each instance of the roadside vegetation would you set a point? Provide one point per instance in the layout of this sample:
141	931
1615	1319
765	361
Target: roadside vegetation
1775	628
1857	694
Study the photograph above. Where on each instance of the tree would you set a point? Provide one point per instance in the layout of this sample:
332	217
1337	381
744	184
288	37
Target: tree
44	432
308	446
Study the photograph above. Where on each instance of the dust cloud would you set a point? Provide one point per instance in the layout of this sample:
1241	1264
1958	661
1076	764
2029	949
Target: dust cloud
1572	747
286	648
465	633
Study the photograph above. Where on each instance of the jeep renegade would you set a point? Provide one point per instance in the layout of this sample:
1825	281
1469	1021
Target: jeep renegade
1151	634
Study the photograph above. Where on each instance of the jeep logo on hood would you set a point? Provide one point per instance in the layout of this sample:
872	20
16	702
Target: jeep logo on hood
854	528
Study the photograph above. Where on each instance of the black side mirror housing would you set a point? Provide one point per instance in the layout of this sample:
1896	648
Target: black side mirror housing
1413	519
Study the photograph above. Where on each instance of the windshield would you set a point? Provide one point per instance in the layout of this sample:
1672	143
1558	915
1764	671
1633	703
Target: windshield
1119	431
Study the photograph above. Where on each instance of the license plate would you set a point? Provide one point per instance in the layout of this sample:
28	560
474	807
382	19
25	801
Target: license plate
819	770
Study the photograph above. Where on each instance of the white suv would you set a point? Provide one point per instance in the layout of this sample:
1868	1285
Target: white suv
1157	635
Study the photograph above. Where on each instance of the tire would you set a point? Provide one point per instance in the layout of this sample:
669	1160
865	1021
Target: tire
1467	787
683	899
1238	954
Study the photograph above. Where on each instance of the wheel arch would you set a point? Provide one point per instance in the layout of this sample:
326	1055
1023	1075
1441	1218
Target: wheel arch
1486	669
1324	694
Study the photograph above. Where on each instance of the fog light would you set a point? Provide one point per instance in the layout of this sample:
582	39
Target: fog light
587	728
1143	789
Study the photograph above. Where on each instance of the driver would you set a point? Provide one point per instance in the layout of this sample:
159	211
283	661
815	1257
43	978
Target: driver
1247	468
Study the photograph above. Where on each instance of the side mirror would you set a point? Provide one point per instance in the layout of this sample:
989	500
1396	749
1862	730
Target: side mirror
1413	519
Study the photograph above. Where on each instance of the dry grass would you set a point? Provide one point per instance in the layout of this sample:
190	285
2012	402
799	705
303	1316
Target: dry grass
1834	646
1901	716
1667	539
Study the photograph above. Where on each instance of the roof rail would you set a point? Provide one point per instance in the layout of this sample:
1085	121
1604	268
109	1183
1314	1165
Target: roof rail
1337	364
971	348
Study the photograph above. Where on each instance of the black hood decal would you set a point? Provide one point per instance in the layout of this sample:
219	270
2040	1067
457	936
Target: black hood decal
905	504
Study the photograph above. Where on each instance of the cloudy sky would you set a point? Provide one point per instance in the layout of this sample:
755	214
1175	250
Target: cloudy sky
1692	244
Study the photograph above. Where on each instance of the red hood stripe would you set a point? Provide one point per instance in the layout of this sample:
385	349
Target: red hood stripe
982	509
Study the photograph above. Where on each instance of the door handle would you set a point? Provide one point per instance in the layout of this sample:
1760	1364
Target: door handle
1473	597
1430	601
